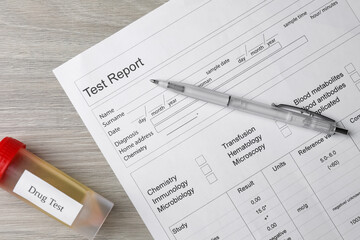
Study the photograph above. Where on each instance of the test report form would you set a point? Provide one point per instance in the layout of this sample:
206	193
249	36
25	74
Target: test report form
199	171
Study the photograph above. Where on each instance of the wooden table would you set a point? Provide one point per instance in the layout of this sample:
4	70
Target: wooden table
37	36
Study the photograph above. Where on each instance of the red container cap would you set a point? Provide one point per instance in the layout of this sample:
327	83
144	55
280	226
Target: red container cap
9	147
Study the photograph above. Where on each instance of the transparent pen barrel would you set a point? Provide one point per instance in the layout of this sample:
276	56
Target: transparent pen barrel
282	115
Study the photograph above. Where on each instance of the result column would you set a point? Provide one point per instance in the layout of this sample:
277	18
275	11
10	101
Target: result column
261	209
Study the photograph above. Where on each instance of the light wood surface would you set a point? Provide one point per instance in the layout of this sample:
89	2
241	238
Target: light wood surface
36	37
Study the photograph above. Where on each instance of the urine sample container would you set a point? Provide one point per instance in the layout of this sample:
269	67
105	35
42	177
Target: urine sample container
48	189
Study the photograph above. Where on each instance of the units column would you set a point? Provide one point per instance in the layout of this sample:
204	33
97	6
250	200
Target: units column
299	200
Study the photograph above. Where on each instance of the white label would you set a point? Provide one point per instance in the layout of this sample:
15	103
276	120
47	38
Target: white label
47	197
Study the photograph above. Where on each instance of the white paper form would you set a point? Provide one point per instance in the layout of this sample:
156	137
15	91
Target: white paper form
198	171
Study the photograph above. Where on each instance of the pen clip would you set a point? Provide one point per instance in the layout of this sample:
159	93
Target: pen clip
302	111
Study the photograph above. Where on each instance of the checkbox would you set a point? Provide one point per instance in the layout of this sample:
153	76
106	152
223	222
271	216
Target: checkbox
206	169
355	77
200	160
280	124
211	178
350	68
286	132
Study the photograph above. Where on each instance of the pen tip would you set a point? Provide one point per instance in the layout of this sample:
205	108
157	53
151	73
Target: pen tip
154	81
342	131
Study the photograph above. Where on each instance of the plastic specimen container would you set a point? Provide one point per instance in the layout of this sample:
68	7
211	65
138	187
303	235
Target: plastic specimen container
48	189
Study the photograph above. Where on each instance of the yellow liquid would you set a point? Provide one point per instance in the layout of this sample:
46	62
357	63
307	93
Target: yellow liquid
93	212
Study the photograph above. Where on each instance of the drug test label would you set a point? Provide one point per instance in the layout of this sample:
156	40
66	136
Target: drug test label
47	197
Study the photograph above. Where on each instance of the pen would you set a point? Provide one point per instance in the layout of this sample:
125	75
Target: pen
284	113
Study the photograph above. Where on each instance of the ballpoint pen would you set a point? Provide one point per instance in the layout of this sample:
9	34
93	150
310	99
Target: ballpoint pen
284	113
